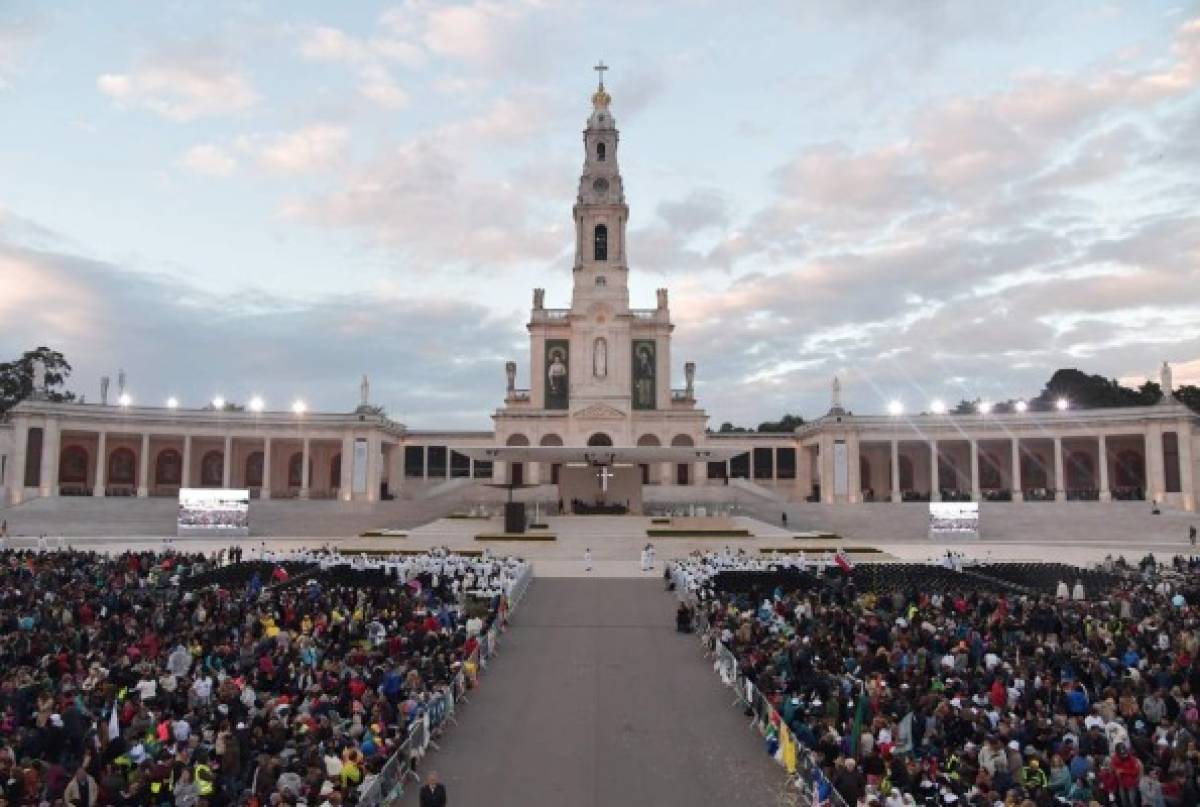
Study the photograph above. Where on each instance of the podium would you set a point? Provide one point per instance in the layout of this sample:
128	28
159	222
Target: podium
514	517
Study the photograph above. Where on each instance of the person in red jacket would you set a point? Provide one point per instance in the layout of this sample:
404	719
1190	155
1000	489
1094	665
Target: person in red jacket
1128	770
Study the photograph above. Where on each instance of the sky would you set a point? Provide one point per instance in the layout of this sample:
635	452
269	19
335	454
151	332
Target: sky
931	200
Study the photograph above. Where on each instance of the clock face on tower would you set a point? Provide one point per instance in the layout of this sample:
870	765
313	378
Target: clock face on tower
600	185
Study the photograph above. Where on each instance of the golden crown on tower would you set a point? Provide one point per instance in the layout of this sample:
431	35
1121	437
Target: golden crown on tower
601	99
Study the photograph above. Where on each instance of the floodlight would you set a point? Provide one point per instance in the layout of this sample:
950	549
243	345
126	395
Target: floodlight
1062	404
299	408
895	408
938	407
172	402
1022	406
125	400
985	407
218	402
256	404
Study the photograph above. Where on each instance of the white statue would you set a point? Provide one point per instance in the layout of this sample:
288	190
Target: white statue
38	370
662	298
510	371
836	400
104	390
689	375
364	390
539	298
600	357
1168	389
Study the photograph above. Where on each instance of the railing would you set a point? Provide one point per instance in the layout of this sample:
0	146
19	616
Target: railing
517	395
682	396
803	767
643	313
552	314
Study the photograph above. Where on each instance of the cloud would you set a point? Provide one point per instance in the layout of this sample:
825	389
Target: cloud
183	86
422	202
208	160
371	57
17	36
441	364
307	149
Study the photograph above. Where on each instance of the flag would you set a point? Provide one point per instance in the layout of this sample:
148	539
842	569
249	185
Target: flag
789	751
843	561
114	725
821	789
860	716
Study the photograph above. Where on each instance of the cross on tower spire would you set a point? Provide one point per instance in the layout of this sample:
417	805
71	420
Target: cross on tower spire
600	68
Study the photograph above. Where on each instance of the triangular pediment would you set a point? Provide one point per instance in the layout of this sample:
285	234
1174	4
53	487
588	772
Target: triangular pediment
599	412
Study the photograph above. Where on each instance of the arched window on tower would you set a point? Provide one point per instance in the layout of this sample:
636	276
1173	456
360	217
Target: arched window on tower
600	248
600	149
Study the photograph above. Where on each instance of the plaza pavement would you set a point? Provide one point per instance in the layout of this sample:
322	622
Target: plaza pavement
1072	532
595	700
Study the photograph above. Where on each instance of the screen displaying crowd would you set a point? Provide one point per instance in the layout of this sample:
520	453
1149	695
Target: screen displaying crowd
925	684
169	678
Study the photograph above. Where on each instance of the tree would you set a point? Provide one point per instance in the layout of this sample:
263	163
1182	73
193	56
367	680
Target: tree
1189	396
787	423
729	428
17	380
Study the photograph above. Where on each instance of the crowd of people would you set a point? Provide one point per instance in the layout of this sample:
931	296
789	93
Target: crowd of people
122	684
936	694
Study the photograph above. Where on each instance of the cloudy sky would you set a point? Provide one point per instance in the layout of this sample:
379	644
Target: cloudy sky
934	199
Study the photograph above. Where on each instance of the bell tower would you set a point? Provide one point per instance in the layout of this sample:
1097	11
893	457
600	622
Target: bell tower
601	268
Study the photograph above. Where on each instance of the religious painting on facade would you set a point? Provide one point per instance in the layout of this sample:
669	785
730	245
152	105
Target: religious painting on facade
73	467
558	370
168	468
645	373
121	467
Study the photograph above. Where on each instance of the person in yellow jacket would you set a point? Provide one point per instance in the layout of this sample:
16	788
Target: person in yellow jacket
203	776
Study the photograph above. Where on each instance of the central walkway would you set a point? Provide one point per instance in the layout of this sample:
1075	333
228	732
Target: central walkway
595	700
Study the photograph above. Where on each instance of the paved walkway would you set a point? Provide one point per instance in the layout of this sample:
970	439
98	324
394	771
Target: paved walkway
595	700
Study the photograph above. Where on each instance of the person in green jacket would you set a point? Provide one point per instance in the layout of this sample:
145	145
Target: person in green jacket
1032	776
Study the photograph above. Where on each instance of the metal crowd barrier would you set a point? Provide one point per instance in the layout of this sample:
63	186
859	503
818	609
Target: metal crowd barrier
763	712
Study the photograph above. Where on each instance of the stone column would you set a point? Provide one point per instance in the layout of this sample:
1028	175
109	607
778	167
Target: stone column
976	493
1018	494
346	484
666	474
1102	461
896	495
1156	483
101	464
185	479
16	479
1060	484
1187	470
264	492
51	448
373	462
935	493
304	480
854	458
143	489
699	474
16	471
825	469
750	464
227	463
425	463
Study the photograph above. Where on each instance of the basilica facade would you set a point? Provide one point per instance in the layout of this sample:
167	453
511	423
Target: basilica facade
599	390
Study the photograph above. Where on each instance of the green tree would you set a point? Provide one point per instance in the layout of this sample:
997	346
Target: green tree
17	380
787	423
1189	396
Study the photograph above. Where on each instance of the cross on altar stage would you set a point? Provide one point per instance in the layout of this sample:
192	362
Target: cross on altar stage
604	474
